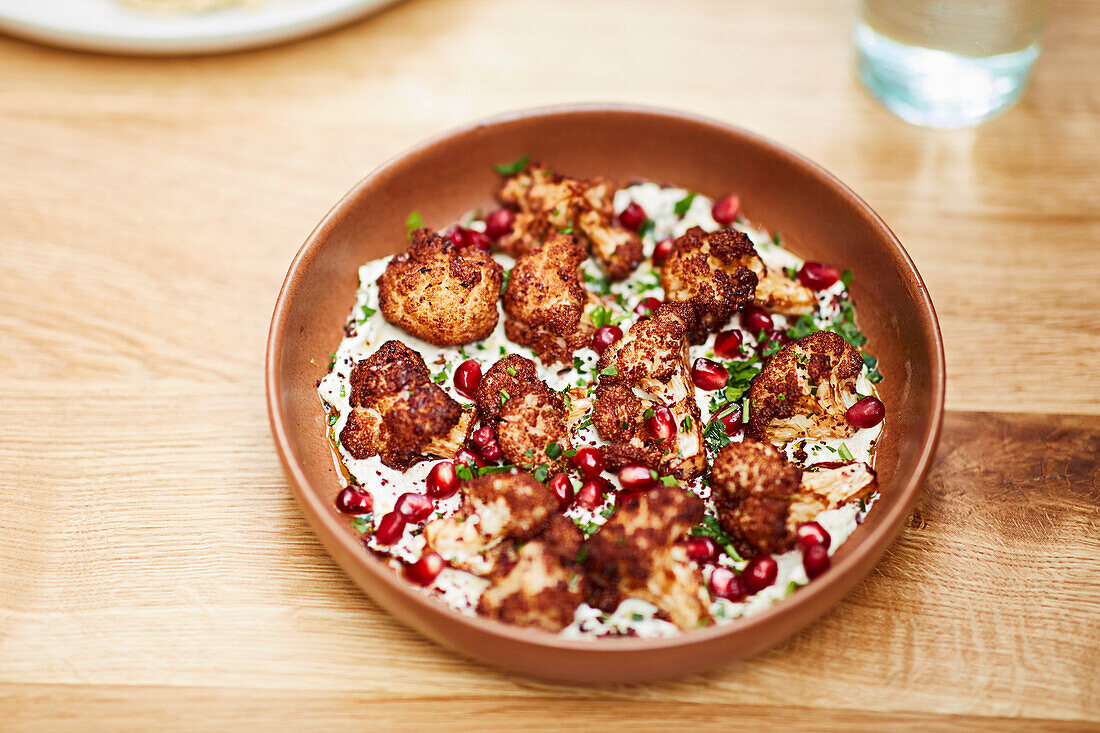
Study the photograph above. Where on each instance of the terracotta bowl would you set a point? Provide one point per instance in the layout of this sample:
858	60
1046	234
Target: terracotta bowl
820	219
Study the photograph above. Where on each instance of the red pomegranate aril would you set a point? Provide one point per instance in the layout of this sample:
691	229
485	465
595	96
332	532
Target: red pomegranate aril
604	337
815	560
458	235
709	375
414	507
632	216
590	494
425	570
637	477
589	461
478	240
726	209
468	377
498	223
724	583
562	487
755	319
646	306
390	528
662	426
761	572
484	440
812	533
773	339
727	344
818	275
354	501
702	549
730	417
471	459
866	413
442	481
662	251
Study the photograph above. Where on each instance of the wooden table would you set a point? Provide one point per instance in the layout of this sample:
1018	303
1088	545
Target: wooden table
154	570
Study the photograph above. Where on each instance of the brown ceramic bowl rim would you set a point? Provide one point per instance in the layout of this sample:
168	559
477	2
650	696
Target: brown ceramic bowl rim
320	512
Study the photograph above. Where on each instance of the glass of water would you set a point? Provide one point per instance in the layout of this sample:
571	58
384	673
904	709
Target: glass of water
948	63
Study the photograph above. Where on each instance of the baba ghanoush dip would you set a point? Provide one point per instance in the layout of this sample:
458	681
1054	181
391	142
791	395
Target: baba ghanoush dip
603	411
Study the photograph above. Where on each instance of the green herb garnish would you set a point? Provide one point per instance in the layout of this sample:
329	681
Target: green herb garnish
510	169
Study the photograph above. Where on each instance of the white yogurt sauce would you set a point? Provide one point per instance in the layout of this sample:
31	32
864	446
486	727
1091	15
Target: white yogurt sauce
368	330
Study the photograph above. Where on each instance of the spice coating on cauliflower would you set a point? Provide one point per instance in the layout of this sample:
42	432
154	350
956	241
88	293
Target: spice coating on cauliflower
543	586
529	425
547	203
398	413
645	370
637	554
495	507
716	272
511	376
805	390
441	295
544	300
753	486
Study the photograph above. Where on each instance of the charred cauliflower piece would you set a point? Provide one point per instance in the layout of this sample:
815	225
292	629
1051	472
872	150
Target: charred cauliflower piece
780	294
398	413
805	390
547	203
440	295
544	300
753	486
544	586
638	554
646	370
529	424
717	273
828	486
495	508
509	377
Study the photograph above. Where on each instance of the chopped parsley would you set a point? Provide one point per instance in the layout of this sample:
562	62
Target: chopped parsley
646	227
610	371
333	418
367	312
363	523
845	453
553	450
582	554
413	222
846	278
710	528
684	204
566	230
510	169
505	280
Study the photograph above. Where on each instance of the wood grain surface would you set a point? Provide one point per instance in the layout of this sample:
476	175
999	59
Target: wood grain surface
154	570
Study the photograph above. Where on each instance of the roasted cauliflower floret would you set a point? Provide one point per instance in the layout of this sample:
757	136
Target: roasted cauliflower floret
544	300
529	424
547	203
638	554
440	295
828	486
511	376
780	294
644	371
398	413
495	508
717	273
544	586
805	390
753	486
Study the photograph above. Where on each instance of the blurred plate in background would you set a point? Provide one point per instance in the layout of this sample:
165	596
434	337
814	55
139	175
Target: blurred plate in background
111	26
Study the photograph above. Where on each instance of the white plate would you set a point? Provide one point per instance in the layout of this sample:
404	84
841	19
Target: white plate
106	25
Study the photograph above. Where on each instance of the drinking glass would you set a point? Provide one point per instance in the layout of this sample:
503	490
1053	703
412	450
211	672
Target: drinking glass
948	63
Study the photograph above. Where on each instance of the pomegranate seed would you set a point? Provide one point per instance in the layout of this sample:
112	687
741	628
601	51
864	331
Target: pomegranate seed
589	461
632	217
390	529
590	494
425	570
760	573
818	275
471	459
414	507
662	251
772	340
724	583
637	477
498	223
709	375
815	560
562	488
467	378
702	549
867	413
812	533
728	344
647	306
484	440
478	240
726	209
627	496
604	337
458	235
662	426
755	319
442	481
354	501
731	420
